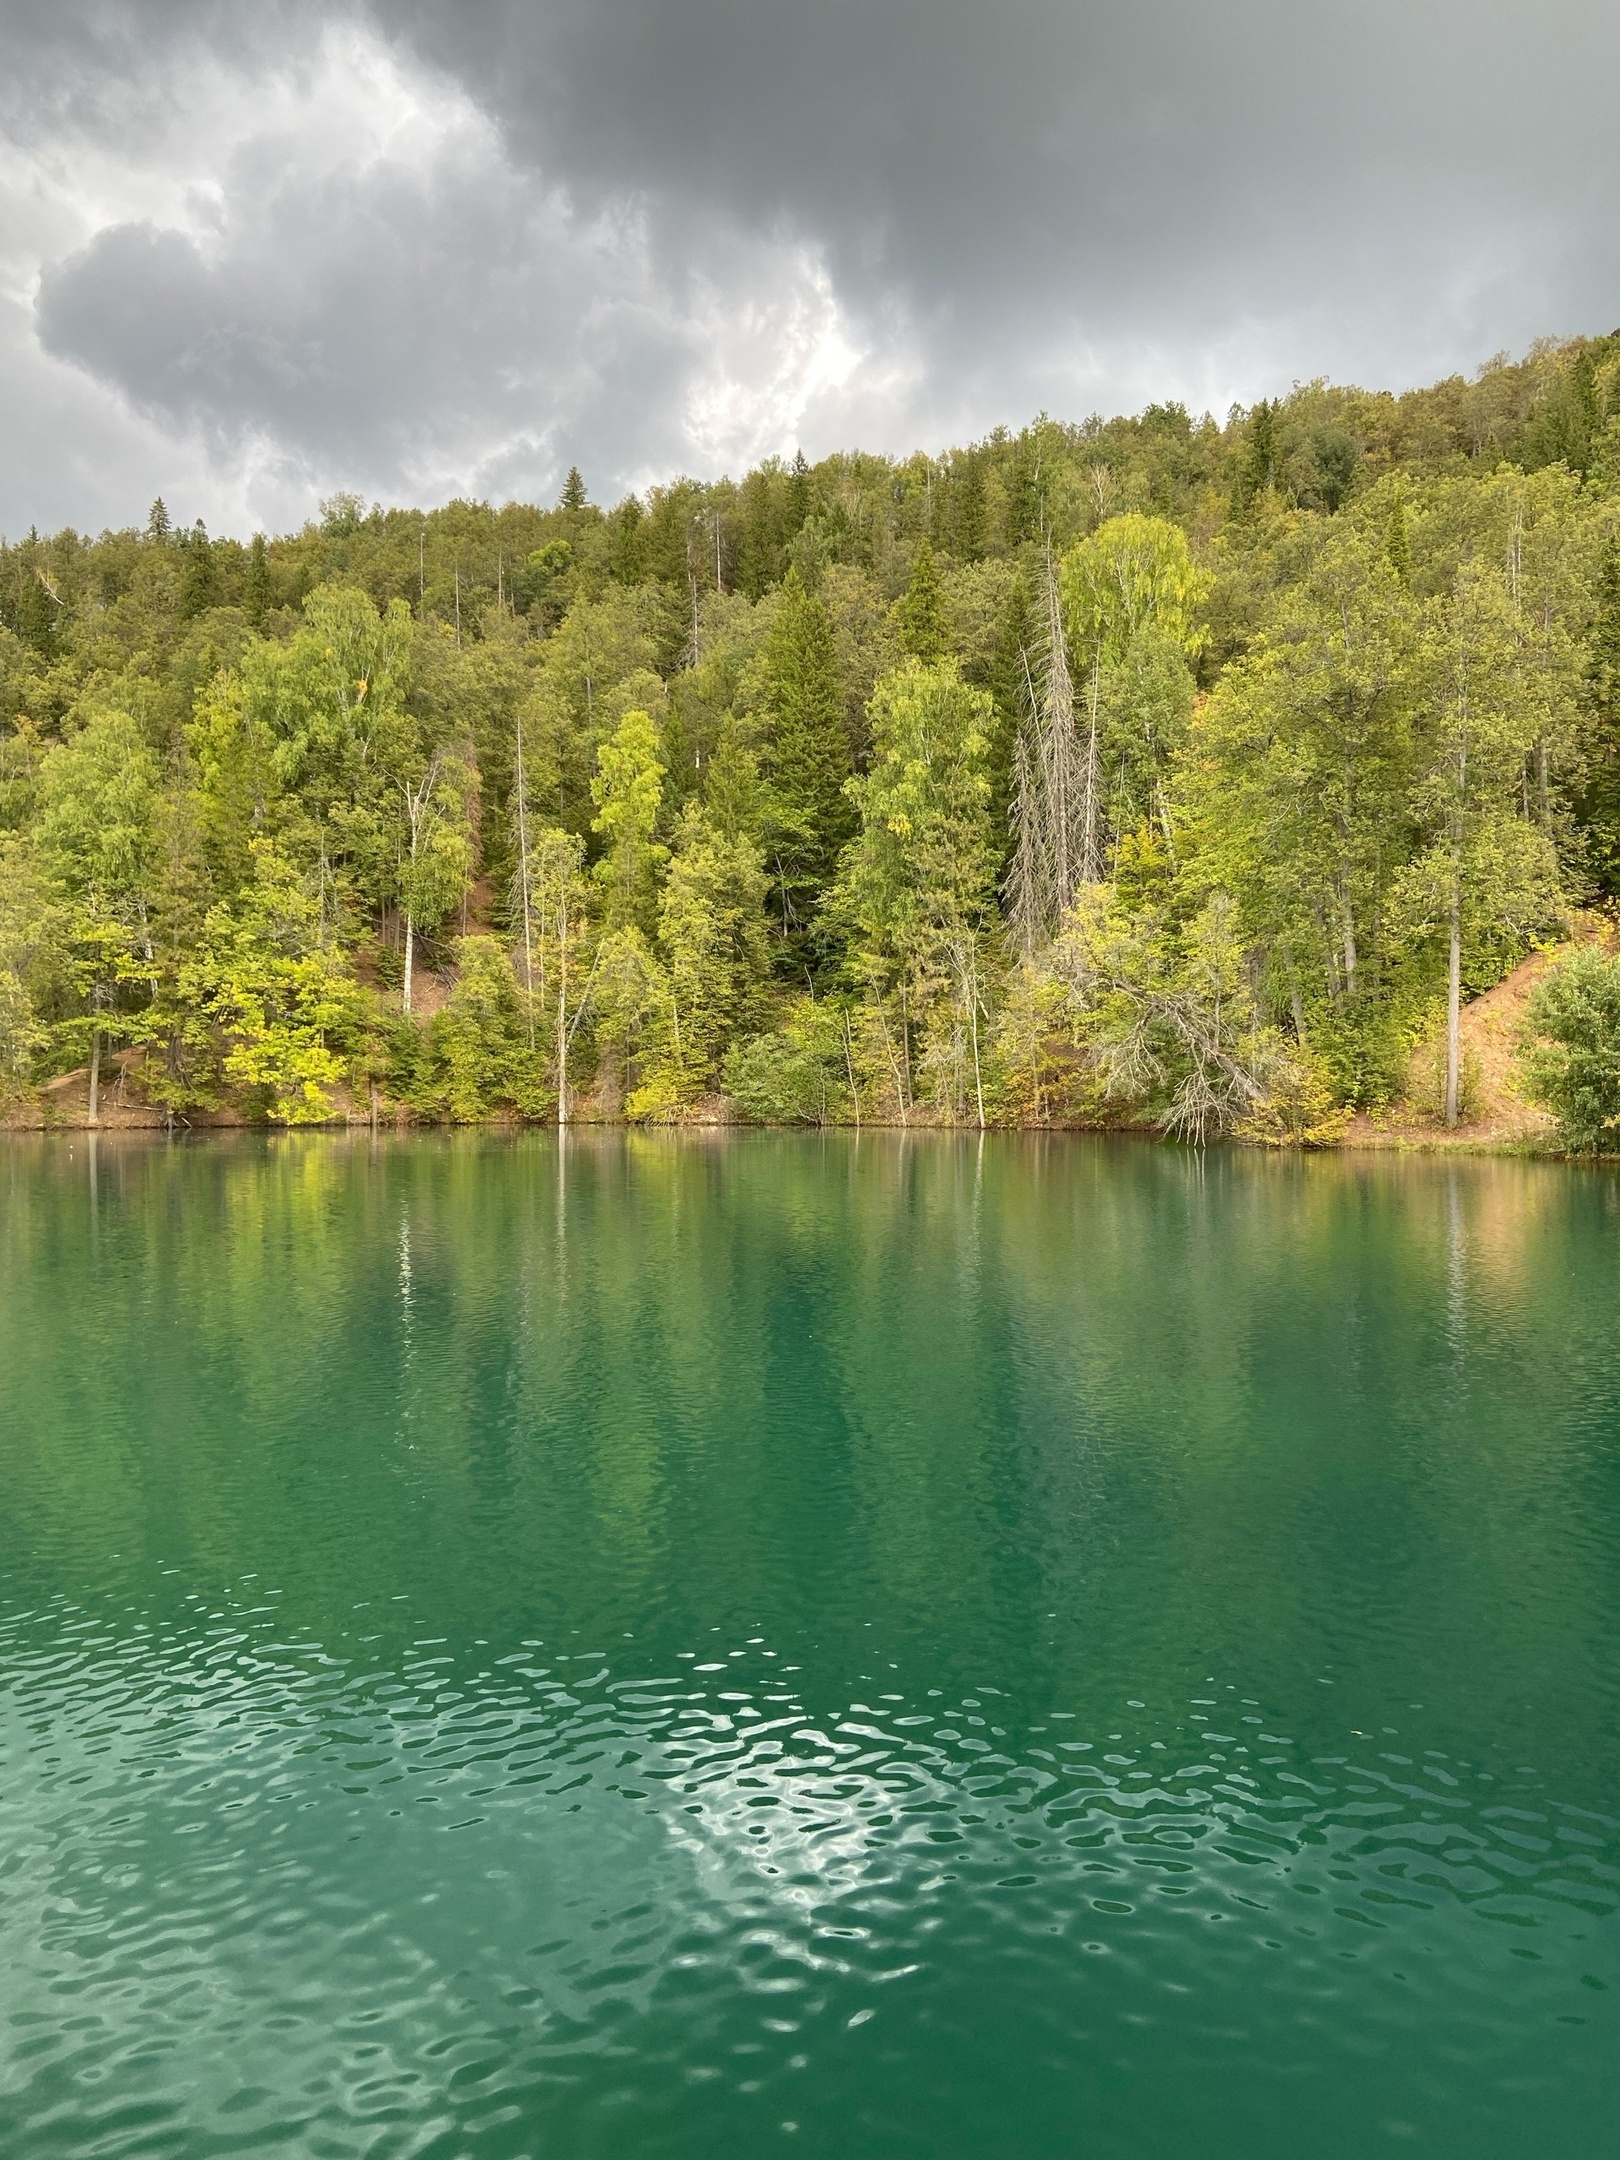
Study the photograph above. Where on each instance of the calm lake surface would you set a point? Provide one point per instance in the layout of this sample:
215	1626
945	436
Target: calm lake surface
850	1646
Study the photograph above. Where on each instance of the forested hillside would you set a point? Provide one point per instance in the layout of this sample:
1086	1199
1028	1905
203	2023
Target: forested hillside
1151	768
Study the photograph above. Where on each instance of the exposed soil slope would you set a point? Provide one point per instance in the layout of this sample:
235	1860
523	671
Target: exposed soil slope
1493	1025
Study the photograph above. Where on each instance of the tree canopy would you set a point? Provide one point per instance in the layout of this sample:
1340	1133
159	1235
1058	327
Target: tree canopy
1152	767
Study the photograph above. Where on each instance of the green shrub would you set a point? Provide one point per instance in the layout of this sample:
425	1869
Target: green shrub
1573	1064
798	1074
473	1059
1426	1090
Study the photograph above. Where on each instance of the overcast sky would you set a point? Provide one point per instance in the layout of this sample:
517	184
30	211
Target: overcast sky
252	255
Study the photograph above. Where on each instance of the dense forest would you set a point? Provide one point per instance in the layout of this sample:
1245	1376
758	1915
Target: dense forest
1152	770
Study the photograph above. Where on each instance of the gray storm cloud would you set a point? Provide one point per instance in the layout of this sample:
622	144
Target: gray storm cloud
658	235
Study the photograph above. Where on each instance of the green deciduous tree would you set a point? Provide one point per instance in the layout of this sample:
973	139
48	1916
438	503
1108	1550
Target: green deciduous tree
916	890
1297	784
1482	867
1167	1016
478	1057
272	981
556	928
711	931
628	791
36	965
97	837
1599	801
1573	1060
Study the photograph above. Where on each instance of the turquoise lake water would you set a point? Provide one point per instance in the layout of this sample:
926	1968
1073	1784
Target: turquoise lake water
845	1646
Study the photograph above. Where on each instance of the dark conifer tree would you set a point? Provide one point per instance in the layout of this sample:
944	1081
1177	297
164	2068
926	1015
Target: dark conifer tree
1259	468
808	758
256	587
626	553
198	585
921	611
573	495
759	552
967	522
1023	490
34	613
1008	680
798	494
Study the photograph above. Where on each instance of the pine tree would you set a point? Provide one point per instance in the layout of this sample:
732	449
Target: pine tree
573	495
157	522
920	612
808	751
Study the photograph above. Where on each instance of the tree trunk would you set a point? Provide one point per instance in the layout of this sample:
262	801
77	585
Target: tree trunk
95	1074
410	958
1090	853
1454	1009
562	1047
523	878
978	1078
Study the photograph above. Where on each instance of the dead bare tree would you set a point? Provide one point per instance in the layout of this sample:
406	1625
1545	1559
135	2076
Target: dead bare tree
1057	807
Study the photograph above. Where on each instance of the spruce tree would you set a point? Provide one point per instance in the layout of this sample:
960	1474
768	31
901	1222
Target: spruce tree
920	612
967	487
34	616
1008	681
1258	470
573	494
808	749
256	589
626	550
798	494
197	584
157	522
1022	481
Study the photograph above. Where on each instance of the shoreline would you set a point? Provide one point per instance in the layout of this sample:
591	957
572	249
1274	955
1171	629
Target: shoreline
1366	1139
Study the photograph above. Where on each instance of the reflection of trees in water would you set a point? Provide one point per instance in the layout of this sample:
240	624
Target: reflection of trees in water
1097	1410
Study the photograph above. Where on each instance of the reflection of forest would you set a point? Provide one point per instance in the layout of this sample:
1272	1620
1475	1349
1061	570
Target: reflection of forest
1094	1418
